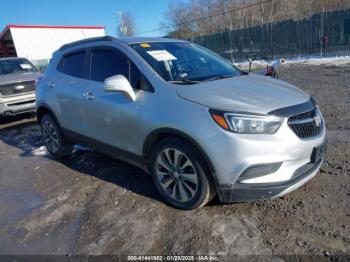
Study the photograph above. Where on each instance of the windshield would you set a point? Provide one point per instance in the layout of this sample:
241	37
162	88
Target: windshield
13	66
184	62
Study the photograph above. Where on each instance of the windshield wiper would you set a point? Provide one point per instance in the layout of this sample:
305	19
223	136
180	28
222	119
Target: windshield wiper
218	77
183	82
191	82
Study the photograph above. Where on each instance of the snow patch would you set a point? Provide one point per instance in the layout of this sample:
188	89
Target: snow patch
41	151
337	60
80	148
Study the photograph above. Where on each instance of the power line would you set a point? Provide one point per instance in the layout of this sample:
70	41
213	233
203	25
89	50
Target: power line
206	17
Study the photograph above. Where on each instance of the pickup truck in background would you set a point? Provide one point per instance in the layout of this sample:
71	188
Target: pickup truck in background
17	86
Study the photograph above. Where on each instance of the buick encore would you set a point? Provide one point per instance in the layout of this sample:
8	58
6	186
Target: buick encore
196	123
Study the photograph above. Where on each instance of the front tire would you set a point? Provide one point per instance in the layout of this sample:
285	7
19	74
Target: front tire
53	139
180	174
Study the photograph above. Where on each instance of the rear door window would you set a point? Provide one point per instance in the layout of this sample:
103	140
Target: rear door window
107	63
73	64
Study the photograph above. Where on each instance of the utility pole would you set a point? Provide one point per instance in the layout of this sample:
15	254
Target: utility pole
209	10
229	18
262	26
230	29
322	32
122	26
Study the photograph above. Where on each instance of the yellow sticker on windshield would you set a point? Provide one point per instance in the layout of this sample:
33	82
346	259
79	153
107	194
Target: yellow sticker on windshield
145	45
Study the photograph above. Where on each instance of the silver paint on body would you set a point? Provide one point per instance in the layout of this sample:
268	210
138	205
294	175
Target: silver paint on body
116	120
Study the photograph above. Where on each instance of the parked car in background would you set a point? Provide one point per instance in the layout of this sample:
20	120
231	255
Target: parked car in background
200	125
17	86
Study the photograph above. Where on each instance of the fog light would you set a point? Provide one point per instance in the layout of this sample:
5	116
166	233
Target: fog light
258	171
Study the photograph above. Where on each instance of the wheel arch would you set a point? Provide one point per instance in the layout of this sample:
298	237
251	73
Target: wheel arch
157	135
44	109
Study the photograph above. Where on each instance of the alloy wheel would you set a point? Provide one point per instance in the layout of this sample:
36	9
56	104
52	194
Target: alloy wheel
50	136
176	175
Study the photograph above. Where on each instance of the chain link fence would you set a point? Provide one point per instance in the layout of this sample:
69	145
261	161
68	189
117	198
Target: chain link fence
323	34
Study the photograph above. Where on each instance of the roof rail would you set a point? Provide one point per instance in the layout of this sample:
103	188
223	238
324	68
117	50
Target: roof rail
87	40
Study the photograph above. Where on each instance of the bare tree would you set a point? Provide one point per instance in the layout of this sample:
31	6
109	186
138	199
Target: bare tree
205	17
177	20
126	26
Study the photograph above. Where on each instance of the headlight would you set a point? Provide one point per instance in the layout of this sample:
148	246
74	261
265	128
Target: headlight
247	123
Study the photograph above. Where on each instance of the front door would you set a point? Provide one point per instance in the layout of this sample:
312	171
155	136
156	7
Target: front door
112	118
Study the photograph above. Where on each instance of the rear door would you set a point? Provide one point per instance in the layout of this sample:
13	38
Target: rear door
70	87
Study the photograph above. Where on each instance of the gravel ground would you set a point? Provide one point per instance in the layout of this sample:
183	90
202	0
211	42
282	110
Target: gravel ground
93	204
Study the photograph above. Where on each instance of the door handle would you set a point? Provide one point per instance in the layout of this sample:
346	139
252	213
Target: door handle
89	96
50	84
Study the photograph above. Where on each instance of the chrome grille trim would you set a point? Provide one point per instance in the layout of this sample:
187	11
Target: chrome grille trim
10	89
306	125
295	110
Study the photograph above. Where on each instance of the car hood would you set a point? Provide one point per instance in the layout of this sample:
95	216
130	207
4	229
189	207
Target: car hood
18	77
247	93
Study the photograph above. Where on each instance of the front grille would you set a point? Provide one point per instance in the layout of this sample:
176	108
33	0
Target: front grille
307	124
17	88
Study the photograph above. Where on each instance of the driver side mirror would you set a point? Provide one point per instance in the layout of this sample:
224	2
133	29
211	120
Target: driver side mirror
119	83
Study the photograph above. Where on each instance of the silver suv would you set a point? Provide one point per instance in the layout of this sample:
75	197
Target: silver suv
17	86
196	123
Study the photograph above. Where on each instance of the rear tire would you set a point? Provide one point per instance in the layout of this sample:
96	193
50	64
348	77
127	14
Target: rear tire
180	174
53	139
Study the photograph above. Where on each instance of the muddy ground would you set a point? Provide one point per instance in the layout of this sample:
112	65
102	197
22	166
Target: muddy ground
93	204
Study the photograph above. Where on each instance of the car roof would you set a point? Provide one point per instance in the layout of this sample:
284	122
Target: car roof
137	40
131	40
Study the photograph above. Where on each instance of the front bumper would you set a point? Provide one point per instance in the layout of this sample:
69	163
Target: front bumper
233	154
246	192
17	105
